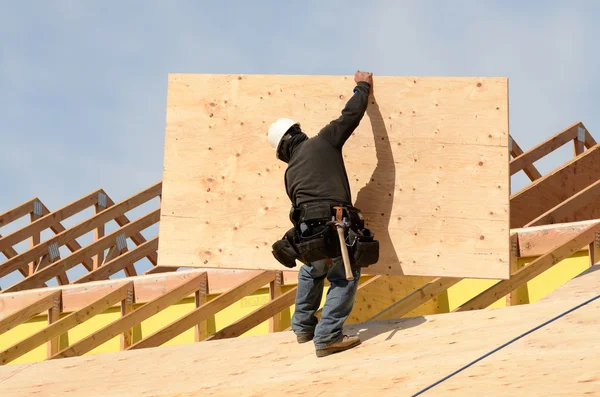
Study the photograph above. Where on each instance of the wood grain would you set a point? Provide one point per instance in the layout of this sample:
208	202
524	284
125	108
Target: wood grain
544	148
552	189
423	143
396	358
64	324
533	269
537	240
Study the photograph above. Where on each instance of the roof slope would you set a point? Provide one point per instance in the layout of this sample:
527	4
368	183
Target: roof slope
397	358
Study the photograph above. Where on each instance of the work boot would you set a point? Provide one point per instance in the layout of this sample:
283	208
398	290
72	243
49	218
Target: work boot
303	338
347	342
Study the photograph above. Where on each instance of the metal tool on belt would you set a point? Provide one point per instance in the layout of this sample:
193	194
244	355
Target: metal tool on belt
340	225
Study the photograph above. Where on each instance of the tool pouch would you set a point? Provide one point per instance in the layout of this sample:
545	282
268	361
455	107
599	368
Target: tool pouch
317	243
363	249
284	251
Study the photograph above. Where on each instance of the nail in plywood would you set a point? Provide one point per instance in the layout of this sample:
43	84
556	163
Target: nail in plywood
423	143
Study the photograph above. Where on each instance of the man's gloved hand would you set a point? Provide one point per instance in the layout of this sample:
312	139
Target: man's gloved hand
363	76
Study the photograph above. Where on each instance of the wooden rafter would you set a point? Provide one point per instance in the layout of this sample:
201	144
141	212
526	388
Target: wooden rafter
11	253
80	229
554	188
48	220
205	311
530	170
64	324
416	298
565	209
137	238
37	279
119	263
548	146
77	296
533	269
17	212
258	316
537	240
23	314
131	319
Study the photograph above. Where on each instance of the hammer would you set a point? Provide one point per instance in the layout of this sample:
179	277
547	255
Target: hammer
340	224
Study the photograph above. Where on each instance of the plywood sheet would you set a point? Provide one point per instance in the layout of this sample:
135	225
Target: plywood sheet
428	167
397	357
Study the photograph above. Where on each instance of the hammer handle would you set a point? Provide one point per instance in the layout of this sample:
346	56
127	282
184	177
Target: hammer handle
345	257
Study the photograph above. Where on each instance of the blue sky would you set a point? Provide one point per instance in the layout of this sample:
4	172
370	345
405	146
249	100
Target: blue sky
83	83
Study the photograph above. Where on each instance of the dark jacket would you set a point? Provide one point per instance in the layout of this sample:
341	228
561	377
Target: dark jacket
316	169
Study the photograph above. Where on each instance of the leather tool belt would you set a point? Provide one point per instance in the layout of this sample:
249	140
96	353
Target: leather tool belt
313	236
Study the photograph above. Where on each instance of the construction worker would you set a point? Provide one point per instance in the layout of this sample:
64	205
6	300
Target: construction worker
316	174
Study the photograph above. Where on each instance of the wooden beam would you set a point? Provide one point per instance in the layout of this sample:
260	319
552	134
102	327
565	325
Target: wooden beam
119	263
81	228
161	269
563	210
98	234
33	241
11	253
513	297
594	250
133	318
43	303
530	169
37	279
63	325
200	298
537	240
53	316
258	316
416	298
205	311
126	308
137	238
76	296
554	188
578	147
48	220
589	140
72	245
17	212
275	290
113	252
533	269
544	148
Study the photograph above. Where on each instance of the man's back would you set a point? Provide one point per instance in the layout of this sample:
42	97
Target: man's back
316	170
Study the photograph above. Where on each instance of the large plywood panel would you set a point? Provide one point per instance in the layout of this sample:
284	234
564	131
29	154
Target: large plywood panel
397	358
428	167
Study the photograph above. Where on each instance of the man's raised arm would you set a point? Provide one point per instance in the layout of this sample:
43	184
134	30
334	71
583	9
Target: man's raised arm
339	130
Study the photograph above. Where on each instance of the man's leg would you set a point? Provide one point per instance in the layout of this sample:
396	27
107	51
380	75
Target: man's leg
308	299
338	305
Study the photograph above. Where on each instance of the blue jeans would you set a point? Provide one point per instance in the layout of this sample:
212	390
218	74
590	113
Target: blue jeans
338	302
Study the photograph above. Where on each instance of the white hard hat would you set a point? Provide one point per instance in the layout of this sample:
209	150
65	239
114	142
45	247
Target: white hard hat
277	130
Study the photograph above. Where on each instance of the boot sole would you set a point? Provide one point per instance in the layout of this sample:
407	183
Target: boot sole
328	351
